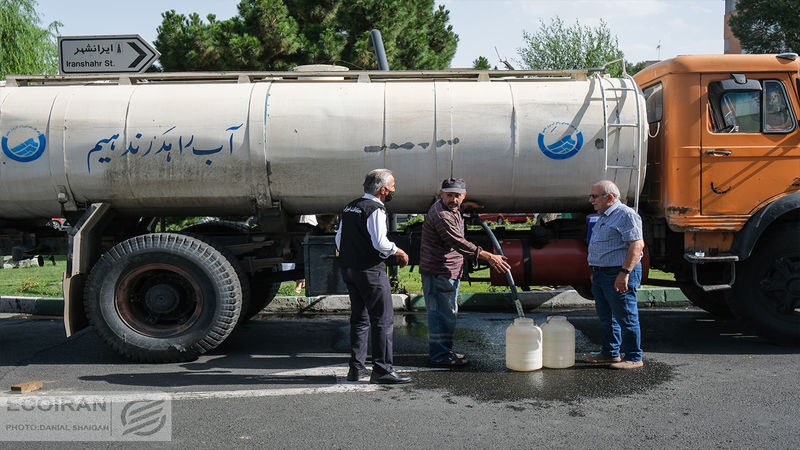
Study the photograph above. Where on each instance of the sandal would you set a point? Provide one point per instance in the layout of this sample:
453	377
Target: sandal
451	360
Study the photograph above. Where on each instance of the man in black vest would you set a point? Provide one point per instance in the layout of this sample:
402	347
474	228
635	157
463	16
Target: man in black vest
363	247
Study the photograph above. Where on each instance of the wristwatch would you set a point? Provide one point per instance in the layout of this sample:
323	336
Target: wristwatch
625	271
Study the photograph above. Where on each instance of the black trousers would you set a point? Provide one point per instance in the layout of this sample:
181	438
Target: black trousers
370	309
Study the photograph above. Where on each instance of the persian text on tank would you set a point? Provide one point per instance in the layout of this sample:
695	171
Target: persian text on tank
167	141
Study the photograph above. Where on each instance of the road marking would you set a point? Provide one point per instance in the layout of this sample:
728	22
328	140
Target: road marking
200	395
339	372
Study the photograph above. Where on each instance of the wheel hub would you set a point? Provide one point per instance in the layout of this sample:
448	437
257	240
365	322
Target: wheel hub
159	300
162	299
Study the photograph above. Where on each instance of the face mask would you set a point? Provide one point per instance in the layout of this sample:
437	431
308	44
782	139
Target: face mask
388	197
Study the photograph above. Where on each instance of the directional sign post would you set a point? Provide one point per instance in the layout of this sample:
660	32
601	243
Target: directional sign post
105	54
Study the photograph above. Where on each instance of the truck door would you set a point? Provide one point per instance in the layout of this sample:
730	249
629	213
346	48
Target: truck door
750	142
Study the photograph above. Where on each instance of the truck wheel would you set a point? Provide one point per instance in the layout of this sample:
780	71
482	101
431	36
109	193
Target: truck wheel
713	301
257	293
218	226
163	297
240	273
766	293
262	292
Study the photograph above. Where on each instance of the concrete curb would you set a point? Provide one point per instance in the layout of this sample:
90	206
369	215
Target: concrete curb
45	306
323	303
552	299
478	301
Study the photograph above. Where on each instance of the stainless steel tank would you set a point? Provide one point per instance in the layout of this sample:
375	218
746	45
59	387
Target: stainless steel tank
210	148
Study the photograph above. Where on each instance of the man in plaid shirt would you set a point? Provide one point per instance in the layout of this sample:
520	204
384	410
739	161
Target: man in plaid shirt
441	265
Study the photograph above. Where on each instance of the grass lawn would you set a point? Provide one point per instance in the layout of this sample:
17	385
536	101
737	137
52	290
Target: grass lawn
46	281
34	281
413	282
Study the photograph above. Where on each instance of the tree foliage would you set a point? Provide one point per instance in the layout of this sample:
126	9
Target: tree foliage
481	63
25	47
281	34
556	46
767	26
634	68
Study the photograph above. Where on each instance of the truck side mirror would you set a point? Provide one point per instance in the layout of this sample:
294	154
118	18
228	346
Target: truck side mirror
739	83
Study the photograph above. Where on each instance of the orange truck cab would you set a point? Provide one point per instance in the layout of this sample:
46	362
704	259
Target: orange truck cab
721	198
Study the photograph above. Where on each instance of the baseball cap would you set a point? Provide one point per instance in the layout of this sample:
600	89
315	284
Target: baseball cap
457	185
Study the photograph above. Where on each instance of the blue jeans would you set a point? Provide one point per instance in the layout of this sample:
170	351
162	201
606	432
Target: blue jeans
618	312
441	295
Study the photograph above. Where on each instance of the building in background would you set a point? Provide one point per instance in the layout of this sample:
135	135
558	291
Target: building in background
732	44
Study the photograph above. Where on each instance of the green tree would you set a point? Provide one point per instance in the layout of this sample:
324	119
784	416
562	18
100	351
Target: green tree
481	63
558	47
25	47
767	26
633	69
280	34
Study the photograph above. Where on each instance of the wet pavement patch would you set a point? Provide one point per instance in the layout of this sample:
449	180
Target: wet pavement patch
567	385
482	338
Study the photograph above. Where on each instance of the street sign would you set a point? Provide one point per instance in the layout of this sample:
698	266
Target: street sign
104	54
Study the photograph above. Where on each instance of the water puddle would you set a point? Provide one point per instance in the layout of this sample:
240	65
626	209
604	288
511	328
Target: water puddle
487	379
567	385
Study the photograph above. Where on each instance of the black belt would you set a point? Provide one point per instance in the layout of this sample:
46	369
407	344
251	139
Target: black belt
596	268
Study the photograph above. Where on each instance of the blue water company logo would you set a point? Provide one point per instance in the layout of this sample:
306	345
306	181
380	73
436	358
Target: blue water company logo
560	140
23	143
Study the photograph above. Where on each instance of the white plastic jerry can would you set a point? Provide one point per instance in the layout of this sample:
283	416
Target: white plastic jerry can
523	345
558	350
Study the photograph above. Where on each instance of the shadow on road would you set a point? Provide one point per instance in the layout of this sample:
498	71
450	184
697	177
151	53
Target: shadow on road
688	331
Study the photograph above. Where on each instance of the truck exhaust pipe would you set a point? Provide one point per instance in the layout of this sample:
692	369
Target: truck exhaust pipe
377	44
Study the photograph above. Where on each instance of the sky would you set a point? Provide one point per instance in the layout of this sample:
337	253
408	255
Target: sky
646	29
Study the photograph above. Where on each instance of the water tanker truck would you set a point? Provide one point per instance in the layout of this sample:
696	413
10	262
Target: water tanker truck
115	155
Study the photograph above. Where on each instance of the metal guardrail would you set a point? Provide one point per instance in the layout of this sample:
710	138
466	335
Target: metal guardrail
253	77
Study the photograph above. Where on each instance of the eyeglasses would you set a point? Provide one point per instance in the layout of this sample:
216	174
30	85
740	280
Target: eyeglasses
593	196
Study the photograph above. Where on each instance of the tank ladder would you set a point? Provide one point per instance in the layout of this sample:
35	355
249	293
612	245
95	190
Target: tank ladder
636	168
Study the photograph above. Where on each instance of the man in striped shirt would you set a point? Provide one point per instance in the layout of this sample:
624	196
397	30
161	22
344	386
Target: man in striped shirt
441	265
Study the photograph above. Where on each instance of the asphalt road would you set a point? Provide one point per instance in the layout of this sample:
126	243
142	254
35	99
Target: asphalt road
278	382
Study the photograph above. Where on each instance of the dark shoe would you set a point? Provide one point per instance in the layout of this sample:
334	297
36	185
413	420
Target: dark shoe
388	378
451	360
599	358
356	374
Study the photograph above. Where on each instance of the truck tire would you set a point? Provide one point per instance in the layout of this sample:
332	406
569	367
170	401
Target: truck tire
257	292
712	301
766	293
218	226
244	279
262	292
163	297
